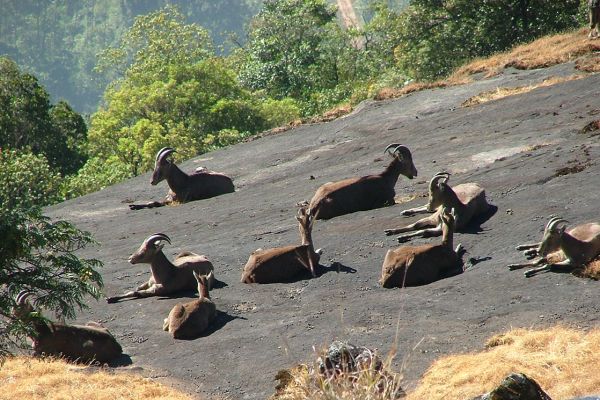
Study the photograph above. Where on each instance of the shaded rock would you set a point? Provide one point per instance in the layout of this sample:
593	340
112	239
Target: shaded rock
346	357
516	387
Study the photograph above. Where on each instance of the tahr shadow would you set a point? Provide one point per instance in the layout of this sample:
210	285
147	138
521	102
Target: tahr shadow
474	226
191	293
335	267
122	361
220	321
320	270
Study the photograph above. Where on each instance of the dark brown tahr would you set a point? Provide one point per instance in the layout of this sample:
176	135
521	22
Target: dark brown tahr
202	184
189	320
284	264
365	193
80	343
420	265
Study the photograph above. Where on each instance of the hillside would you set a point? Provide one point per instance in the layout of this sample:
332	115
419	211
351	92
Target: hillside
528	150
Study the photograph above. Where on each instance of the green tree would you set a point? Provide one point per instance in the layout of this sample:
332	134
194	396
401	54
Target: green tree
192	101
173	93
154	42
26	180
285	53
95	175
38	255
28	121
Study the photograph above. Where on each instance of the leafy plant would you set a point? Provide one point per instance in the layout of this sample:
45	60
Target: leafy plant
38	255
26	180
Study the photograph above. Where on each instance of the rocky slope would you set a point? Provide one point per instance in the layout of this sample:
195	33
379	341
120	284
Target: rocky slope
526	150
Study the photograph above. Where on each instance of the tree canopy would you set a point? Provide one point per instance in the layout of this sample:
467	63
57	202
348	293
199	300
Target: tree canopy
28	121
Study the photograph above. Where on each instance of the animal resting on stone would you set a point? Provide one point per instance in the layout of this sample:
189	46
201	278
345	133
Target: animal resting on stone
283	264
468	201
365	193
82	343
202	184
166	277
578	245
420	265
189	320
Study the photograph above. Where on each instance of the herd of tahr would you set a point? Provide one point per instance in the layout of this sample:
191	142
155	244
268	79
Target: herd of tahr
450	209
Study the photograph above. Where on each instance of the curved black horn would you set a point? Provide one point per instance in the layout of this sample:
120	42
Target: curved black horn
398	148
389	146
163	153
551	221
440	175
22	297
555	222
403	151
158	236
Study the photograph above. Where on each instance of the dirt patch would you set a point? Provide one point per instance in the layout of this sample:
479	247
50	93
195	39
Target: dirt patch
575	165
588	64
392	93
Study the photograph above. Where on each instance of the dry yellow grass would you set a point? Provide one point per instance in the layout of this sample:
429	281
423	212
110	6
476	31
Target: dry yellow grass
563	361
500	93
541	53
33	379
591	270
544	52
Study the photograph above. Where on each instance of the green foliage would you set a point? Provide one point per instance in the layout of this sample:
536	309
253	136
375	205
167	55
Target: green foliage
192	101
284	53
155	41
224	137
437	36
38	255
29	122
26	180
173	94
95	175
279	112
235	114
58	41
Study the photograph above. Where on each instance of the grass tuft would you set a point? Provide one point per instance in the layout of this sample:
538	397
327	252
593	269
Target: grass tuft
500	92
373	381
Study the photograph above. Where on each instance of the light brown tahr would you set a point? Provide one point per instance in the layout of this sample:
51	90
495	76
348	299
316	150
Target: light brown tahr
579	246
468	202
420	265
166	277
